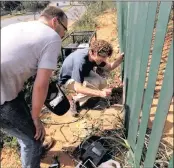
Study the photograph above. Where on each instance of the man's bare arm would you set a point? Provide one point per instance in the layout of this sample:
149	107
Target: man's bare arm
40	90
79	88
111	66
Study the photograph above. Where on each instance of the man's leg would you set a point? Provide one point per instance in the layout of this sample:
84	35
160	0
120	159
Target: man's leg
15	119
30	149
93	81
30	153
74	108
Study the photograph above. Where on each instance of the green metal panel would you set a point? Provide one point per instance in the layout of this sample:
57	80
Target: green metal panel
171	163
132	48
124	25
158	44
128	37
126	45
128	60
161	113
121	14
135	41
130	43
139	29
142	74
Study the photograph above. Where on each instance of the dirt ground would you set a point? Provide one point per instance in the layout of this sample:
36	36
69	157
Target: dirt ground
168	129
69	136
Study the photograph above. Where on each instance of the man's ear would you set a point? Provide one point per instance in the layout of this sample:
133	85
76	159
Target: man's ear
54	22
93	53
90	52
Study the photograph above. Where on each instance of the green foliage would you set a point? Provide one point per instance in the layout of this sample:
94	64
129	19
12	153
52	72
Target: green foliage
93	9
28	88
8	141
34	5
9	5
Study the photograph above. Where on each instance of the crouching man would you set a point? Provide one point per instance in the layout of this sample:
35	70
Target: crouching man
77	72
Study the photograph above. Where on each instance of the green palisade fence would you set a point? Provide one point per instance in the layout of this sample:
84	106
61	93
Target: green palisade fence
137	24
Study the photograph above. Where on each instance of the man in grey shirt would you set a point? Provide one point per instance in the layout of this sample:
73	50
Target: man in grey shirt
29	48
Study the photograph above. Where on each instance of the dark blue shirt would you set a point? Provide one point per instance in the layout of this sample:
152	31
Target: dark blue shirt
77	66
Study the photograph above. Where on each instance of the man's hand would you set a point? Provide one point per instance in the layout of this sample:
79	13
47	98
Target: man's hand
122	55
40	130
91	92
105	93
111	66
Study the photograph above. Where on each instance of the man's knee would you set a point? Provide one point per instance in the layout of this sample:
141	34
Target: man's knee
32	145
96	80
103	83
70	84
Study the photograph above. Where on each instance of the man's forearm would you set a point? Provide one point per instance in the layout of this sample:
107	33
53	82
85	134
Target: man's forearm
87	91
116	63
38	99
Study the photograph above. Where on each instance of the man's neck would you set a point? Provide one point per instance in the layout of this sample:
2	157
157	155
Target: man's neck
90	58
44	21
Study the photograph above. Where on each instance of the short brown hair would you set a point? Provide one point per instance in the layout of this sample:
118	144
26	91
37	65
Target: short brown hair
53	11
102	47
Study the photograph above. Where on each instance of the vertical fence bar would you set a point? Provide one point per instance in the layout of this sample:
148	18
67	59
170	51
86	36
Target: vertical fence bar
139	29
124	35
131	46
128	62
120	16
122	20
171	164
125	12
126	58
161	113
125	9
135	102
156	55
128	37
142	74
132	41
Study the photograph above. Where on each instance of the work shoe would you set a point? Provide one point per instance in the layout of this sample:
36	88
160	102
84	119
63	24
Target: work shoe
47	146
74	108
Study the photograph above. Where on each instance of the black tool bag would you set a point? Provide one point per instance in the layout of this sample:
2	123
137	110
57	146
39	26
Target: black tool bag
93	151
56	100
